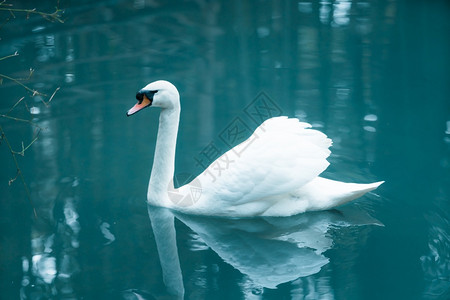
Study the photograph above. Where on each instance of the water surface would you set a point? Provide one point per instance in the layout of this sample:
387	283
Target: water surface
372	75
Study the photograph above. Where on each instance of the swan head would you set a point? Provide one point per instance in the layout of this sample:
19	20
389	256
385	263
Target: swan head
159	93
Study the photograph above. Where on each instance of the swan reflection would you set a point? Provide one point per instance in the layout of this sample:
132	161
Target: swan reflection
163	226
269	250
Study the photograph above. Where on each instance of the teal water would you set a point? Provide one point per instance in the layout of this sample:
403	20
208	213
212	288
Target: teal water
372	75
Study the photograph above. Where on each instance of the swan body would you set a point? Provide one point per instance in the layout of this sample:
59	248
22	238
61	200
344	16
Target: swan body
275	172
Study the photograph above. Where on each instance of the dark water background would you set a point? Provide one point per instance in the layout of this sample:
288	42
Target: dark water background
373	75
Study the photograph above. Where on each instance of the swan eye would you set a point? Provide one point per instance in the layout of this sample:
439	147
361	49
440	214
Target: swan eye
141	93
139	97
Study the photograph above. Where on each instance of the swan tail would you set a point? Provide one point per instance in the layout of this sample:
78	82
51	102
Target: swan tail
352	191
324	193
362	188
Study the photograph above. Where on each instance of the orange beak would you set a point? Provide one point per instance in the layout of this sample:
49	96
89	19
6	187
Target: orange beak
139	106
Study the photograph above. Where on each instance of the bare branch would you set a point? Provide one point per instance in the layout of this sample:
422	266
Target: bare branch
14	106
34	92
9	56
21	120
14	179
55	16
51	97
22	152
19	172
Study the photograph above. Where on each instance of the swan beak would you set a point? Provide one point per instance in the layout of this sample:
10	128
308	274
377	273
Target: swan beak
140	105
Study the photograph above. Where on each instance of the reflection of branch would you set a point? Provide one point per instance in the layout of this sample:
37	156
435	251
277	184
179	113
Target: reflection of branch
52	17
19	172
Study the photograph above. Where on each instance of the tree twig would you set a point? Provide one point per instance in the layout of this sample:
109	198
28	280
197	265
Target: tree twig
51	97
9	56
14	106
35	92
22	152
19	172
21	120
52	17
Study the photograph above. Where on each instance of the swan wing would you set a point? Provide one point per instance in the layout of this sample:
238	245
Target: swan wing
279	157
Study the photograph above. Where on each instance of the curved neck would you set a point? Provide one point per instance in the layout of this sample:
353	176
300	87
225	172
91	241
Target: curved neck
164	159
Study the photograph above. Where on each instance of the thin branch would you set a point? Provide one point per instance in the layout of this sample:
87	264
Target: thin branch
51	97
22	152
14	106
54	16
4	22
21	120
19	172
35	92
29	75
9	56
11	181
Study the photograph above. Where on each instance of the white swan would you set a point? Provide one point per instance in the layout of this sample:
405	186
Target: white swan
275	172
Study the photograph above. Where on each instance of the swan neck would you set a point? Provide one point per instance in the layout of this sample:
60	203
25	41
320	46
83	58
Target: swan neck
164	160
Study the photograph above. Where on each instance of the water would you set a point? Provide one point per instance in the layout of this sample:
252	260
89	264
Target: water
372	75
